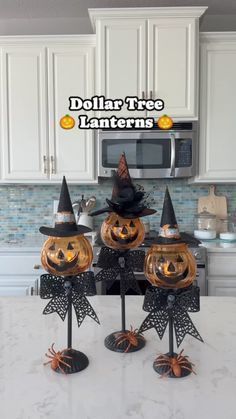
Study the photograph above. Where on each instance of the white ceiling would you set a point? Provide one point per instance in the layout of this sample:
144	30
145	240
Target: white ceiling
25	9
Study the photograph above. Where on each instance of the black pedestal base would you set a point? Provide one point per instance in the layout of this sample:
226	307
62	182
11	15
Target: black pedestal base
78	362
168	366
115	342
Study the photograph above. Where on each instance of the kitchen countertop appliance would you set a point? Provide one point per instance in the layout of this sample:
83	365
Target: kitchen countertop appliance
150	153
198	252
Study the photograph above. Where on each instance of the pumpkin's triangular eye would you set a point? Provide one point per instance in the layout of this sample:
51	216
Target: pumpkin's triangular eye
161	259
70	247
117	224
179	259
132	224
171	267
52	247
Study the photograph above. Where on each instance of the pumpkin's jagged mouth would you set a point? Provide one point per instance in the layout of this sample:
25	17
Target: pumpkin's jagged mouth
63	265
124	240
172	280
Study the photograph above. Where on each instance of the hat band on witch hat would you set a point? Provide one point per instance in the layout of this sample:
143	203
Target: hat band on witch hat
64	217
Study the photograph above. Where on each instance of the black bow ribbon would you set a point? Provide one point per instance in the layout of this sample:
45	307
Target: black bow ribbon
116	263
62	291
162	303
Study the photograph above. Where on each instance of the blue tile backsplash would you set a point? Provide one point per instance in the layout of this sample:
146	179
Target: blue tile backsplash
24	208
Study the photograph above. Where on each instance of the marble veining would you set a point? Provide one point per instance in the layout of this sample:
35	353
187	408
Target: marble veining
114	386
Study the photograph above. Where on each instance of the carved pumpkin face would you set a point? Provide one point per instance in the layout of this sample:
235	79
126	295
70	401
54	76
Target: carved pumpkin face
170	266
165	122
66	256
67	122
122	233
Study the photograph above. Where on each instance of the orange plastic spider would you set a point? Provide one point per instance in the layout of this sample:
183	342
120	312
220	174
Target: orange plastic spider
56	358
175	364
131	337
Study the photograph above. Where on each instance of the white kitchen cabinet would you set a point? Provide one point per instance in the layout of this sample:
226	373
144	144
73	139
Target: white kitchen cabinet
225	287
149	53
121	61
221	272
38	75
172	65
217	139
23	112
20	270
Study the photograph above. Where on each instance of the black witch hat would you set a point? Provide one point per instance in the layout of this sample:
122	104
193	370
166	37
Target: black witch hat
65	225
169	230
126	200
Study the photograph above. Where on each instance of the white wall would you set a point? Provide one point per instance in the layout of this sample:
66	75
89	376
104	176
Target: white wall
68	25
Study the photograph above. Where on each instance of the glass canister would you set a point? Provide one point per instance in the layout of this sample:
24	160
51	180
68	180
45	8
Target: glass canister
205	225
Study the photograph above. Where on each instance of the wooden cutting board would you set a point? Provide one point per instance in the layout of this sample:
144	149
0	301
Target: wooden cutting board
214	204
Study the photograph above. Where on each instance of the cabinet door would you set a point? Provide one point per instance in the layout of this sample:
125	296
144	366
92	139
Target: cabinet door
222	287
70	73
23	113
217	109
172	65
121	61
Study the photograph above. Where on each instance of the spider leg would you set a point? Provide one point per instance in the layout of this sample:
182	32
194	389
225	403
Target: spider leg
165	374
46	363
68	357
61	369
188	369
185	361
52	348
48	356
128	348
52	352
64	363
121	341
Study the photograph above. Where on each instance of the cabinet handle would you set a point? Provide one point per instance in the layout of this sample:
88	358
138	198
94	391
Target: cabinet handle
45	165
142	94
150	94
52	165
37	267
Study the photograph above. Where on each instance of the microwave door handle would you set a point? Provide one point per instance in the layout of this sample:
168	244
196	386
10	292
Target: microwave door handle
172	162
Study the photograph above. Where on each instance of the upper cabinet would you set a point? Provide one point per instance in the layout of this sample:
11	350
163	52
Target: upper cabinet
149	53
217	139
38	75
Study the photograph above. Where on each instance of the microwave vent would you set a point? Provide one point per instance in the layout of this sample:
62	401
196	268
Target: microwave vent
177	126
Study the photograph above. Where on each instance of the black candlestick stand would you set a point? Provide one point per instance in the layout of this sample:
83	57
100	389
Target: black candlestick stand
65	292
170	307
76	360
124	340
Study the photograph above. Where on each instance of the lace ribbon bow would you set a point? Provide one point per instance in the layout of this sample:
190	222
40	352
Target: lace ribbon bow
63	290
116	263
157	303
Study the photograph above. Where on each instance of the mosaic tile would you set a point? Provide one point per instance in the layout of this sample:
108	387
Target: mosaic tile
24	208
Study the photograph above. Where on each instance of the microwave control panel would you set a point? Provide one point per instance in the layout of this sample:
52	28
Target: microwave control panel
183	153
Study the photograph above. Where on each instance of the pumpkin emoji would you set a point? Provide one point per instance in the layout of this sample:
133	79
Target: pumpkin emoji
122	233
66	256
67	122
170	266
165	122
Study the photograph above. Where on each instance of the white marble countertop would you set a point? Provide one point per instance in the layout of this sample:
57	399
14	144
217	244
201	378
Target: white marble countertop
219	246
114	386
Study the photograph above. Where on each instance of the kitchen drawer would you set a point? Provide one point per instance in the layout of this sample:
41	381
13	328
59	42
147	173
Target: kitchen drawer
222	264
20	264
222	287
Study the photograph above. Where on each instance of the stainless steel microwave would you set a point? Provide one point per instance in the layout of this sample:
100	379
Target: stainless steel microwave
150	153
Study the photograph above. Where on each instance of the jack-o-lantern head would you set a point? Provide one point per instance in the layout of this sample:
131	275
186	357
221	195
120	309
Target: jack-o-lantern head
66	256
122	233
165	122
170	266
